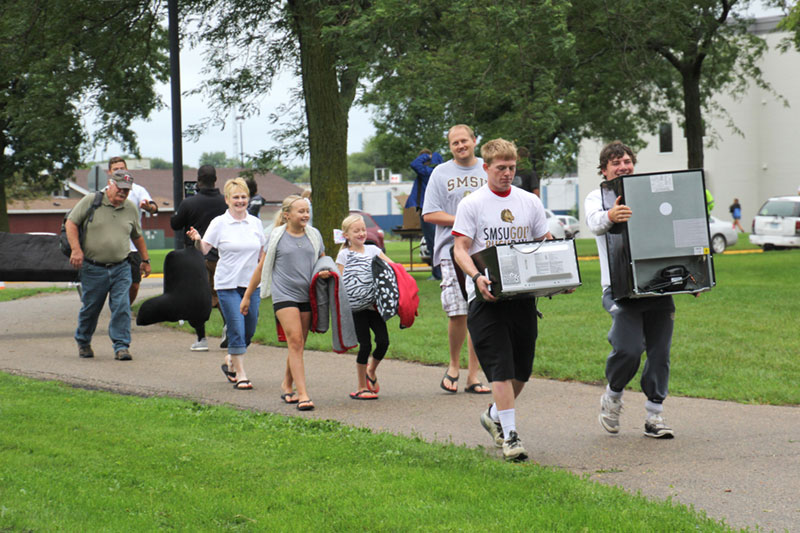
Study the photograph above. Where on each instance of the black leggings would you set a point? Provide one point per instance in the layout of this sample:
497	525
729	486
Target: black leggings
366	320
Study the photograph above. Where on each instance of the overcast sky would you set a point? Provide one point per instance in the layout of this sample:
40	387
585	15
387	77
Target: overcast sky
155	135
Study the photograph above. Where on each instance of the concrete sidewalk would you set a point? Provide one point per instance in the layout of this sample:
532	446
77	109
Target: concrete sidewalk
740	463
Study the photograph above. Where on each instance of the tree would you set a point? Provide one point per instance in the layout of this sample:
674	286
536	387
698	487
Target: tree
518	78
547	74
790	23
160	164
361	165
297	173
64	60
250	42
218	160
682	53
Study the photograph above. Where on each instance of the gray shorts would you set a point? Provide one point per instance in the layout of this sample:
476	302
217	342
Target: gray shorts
453	301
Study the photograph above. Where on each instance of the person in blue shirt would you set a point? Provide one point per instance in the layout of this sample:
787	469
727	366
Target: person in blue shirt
736	213
423	165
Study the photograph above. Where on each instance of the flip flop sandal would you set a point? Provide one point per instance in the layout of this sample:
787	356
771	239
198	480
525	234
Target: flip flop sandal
363	395
243	385
452	380
372	384
231	376
288	397
305	405
473	389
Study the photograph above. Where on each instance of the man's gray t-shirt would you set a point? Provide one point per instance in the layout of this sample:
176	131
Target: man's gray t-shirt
447	186
294	263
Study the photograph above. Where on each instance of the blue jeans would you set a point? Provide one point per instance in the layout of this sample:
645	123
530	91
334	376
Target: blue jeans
240	327
96	283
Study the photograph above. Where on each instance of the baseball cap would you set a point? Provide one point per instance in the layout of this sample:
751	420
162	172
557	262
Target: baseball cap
122	178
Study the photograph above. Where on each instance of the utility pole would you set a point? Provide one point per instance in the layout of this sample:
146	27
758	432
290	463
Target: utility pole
175	85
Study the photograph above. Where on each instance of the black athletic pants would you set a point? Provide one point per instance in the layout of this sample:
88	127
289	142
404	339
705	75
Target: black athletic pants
367	320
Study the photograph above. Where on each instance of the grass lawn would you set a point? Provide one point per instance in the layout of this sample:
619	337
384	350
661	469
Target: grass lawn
9	293
727	343
80	460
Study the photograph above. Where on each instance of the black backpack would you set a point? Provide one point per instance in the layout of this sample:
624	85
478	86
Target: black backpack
63	242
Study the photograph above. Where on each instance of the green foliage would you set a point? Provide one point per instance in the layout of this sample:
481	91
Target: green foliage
250	43
296	173
790	23
61	61
218	160
361	165
548	74
81	460
679	56
516	79
160	164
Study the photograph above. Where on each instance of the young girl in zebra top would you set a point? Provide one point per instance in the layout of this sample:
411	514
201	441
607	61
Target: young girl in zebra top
355	266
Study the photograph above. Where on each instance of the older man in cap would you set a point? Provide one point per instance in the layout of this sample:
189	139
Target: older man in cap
102	258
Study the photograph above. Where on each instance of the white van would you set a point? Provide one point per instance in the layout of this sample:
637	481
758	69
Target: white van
777	224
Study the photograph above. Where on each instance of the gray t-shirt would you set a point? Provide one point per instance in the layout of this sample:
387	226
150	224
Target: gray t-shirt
447	186
294	264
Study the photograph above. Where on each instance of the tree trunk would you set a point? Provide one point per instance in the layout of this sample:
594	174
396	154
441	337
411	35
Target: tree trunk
693	118
327	122
4	223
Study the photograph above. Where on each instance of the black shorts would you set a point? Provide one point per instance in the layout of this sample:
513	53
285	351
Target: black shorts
304	307
136	262
504	335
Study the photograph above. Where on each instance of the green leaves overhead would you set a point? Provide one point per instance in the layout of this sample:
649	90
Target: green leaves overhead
61	62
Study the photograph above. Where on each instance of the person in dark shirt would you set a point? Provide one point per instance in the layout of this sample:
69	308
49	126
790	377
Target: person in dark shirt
256	200
198	211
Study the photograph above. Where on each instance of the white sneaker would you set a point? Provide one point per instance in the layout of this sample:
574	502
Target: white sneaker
513	449
655	426
609	413
494	428
200	346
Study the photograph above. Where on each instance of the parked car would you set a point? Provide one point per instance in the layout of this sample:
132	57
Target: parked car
571	225
777	224
557	228
722	234
374	231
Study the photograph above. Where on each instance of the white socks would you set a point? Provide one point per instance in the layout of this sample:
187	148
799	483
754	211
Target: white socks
653	408
507	420
612	394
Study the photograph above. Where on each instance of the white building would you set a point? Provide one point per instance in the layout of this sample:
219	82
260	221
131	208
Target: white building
764	162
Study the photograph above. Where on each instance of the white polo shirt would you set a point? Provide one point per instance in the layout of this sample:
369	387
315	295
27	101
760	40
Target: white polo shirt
137	194
239	243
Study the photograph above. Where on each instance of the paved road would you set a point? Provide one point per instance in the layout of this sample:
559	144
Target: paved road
740	463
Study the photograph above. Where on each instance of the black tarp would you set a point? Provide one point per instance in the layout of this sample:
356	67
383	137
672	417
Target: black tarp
25	257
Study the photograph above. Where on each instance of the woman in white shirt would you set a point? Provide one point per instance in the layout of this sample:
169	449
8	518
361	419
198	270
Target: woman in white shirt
240	239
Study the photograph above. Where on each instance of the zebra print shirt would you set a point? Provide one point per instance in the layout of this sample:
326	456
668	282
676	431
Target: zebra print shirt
357	276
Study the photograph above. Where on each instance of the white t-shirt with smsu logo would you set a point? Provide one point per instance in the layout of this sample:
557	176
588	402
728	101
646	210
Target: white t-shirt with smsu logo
447	186
490	219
